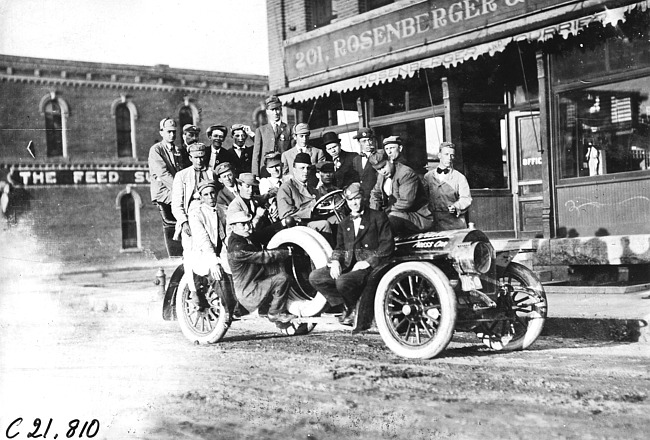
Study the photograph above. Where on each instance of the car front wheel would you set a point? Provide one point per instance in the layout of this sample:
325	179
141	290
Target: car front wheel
415	310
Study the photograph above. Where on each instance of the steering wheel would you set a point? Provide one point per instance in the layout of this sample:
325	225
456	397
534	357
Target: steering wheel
331	203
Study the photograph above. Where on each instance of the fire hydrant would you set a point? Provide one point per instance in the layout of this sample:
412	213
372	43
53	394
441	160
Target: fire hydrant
160	282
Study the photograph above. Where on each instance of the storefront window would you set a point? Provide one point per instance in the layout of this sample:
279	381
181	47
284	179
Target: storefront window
484	163
605	129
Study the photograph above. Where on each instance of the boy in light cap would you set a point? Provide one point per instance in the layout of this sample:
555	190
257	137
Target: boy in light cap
364	241
301	135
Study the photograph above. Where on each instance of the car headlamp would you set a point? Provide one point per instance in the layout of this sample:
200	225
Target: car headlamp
472	258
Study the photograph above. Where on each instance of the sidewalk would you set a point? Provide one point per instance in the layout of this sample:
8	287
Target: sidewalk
574	312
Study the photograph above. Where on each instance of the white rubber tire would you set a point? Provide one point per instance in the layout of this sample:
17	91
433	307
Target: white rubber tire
391	312
205	326
319	250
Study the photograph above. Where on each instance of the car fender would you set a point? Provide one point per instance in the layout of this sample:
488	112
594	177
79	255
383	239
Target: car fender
169	309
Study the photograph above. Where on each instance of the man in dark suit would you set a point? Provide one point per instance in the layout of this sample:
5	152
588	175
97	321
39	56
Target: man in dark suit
253	281
242	155
190	135
367	174
344	172
218	153
399	192
364	241
274	136
165	160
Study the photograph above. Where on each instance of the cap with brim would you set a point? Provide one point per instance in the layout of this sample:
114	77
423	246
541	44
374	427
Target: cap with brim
189	128
447	145
272	159
330	138
302	158
167	123
325	167
236	127
301	128
353	191
238	217
378	160
364	132
248	179
205	184
222	128
273	102
392	140
222	168
197	147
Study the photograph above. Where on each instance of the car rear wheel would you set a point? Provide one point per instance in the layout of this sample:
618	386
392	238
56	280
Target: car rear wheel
203	319
522	301
415	310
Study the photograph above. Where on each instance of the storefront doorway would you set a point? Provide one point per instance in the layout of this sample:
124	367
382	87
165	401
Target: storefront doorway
526	172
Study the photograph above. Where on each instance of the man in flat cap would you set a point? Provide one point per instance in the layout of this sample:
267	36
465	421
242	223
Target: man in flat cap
185	190
269	186
297	198
218	153
242	154
275	136
301	134
256	272
368	146
364	241
229	188
165	160
401	194
344	172
393	147
208	255
326	180
190	135
448	192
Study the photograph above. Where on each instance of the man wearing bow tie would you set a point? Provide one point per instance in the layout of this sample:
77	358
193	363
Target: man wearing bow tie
364	241
272	137
448	191
242	155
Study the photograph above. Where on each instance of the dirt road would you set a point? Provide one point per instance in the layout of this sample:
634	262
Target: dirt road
94	347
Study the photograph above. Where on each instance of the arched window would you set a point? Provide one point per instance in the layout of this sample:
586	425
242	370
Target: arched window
55	110
123	126
129	203
125	114
53	129
185	116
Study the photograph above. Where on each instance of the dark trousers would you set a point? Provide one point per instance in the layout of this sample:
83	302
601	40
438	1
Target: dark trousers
401	226
346	289
174	247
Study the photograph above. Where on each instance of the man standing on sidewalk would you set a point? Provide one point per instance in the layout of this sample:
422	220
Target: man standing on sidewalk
275	136
165	160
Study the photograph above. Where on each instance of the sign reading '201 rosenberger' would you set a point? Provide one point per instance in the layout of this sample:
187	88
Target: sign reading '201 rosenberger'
415	25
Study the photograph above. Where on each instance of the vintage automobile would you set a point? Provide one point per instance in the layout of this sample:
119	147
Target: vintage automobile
436	283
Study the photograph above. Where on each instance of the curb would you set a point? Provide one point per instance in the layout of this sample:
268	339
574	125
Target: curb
602	329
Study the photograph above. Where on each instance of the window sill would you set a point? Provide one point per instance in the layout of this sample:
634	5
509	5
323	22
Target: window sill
131	250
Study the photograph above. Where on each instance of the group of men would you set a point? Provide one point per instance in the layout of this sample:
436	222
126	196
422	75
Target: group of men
224	204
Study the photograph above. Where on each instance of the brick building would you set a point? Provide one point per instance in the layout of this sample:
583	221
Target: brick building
546	101
85	194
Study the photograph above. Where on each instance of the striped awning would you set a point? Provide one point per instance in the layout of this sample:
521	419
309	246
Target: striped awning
471	52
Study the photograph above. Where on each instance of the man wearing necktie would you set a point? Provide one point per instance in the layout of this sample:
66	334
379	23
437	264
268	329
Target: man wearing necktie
368	147
275	136
218	153
344	172
364	241
185	190
448	192
301	133
208	254
165	160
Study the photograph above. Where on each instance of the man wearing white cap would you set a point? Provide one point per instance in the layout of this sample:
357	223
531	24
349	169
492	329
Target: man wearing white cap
301	134
165	160
364	240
